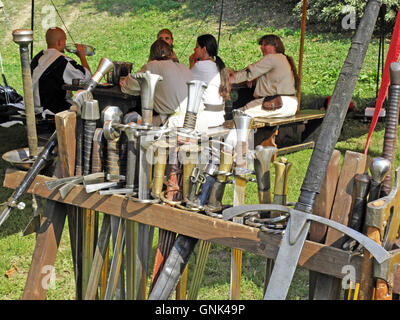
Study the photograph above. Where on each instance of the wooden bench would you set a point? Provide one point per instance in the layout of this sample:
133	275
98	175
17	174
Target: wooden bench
266	129
284	133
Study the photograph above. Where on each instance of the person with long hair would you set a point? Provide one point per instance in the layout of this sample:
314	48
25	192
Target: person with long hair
276	76
171	93
208	67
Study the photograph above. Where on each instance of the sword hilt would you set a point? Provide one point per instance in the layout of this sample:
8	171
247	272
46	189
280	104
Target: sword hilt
362	184
379	169
218	189
262	169
97	151
282	169
89	129
159	168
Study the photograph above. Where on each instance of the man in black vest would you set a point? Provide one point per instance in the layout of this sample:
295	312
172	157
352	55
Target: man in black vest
51	69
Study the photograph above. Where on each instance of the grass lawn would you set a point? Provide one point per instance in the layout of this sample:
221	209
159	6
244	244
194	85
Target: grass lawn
123	30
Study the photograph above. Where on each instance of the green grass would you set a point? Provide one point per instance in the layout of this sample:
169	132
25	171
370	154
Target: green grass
123	31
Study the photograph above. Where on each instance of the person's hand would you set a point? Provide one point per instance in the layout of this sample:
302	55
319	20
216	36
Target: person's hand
231	74
192	60
80	50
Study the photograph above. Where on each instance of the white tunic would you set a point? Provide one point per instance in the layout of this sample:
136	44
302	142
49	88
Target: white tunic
207	72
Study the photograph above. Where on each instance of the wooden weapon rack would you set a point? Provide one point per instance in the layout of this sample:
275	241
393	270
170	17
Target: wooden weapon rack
323	258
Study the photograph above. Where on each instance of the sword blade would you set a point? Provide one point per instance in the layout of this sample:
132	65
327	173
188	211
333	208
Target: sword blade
284	268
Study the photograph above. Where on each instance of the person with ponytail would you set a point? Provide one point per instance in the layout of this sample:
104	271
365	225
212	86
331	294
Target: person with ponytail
208	67
276	80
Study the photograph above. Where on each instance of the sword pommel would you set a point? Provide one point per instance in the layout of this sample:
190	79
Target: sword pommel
148	83
395	73
379	169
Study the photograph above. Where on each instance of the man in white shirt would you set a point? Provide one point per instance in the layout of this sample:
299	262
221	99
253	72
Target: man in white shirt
51	69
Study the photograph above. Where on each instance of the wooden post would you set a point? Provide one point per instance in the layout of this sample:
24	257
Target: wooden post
49	236
303	30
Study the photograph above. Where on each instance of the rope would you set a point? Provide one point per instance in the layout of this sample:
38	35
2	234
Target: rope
220	21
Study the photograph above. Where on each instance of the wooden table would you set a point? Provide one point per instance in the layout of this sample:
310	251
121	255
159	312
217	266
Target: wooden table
111	95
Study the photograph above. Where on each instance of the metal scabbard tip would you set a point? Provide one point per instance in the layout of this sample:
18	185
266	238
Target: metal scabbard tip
379	169
22	36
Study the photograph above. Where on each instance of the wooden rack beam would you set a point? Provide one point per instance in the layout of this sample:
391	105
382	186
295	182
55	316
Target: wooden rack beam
315	256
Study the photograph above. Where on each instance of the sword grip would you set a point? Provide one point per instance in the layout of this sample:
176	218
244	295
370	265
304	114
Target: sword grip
113	160
97	151
159	171
131	163
362	182
390	137
89	129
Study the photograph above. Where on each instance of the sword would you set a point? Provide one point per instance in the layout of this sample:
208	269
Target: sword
112	116
300	218
384	215
99	268
90	113
33	171
379	169
144	236
243	123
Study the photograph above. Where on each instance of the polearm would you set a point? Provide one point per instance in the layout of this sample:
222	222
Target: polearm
298	225
24	37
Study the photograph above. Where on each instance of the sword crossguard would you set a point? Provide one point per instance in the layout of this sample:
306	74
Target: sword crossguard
298	220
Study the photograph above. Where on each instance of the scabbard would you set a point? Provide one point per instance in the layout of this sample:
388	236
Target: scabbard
174	266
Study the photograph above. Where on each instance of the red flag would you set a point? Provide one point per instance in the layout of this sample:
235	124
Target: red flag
392	56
